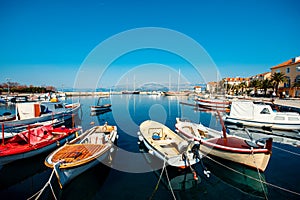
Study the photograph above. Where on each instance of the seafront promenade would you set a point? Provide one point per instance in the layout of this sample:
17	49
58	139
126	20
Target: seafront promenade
288	102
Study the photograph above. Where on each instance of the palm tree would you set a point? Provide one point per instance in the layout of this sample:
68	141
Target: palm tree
265	84
243	85
277	78
255	83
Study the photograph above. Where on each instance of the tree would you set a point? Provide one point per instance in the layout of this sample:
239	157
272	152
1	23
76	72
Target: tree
243	85
255	83
265	85
277	78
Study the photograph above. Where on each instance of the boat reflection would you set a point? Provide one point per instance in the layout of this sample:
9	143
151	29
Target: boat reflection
100	112
86	185
25	176
173	178
238	176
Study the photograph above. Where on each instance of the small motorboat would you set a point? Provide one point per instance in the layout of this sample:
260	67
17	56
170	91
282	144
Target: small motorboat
247	113
31	112
230	147
167	145
34	141
82	153
100	107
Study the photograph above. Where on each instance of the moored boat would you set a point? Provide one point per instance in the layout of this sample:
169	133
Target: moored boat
82	153
229	147
32	112
177	93
261	115
100	107
34	141
165	144
218	104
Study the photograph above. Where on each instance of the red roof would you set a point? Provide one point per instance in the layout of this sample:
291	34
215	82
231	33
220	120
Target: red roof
289	62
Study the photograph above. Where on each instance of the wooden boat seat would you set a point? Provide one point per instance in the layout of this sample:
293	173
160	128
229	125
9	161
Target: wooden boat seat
76	152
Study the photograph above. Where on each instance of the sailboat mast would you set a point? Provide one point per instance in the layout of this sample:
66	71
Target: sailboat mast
169	82
178	81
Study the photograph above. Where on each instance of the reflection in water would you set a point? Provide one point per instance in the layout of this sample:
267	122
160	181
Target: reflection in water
239	176
86	185
172	178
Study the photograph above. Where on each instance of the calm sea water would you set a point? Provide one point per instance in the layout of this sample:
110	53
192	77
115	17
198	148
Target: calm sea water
131	177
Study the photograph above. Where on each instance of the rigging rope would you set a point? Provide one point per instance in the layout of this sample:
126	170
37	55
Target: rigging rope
269	184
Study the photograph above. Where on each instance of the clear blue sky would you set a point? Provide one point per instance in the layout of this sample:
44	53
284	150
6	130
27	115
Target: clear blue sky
45	42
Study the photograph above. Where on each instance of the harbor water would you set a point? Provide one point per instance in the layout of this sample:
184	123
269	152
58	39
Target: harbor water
132	175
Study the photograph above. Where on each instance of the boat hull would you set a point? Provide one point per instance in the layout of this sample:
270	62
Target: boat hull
34	150
65	115
263	124
90	148
66	175
256	160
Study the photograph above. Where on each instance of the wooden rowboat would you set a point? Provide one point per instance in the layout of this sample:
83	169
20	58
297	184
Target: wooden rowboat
229	147
82	153
165	144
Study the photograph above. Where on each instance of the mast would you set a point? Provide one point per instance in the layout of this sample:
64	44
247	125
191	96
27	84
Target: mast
169	82
178	81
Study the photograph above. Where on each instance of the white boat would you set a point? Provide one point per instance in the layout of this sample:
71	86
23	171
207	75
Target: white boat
228	147
261	115
215	104
82	153
168	146
32	112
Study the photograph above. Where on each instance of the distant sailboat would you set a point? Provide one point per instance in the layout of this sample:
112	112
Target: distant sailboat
178	92
131	92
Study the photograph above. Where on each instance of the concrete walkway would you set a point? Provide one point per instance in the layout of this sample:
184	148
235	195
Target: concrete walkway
288	102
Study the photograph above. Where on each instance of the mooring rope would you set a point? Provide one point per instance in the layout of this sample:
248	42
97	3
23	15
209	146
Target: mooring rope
269	184
39	193
259	175
294	153
157	184
170	184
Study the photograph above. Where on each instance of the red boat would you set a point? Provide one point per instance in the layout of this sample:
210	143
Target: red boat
254	154
35	141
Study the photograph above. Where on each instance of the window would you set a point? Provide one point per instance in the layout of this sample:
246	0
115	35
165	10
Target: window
287	83
279	118
287	70
265	111
298	68
293	119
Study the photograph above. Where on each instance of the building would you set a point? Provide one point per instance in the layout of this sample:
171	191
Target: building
211	87
236	81
291	69
261	77
197	89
